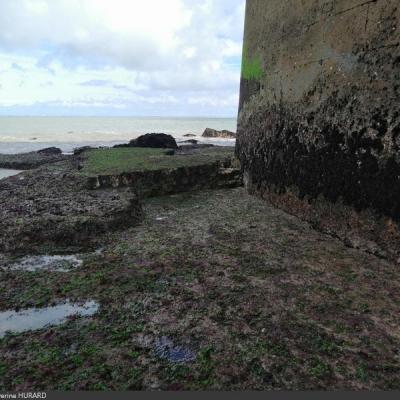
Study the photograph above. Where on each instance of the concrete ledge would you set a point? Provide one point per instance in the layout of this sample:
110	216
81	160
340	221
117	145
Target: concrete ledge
150	183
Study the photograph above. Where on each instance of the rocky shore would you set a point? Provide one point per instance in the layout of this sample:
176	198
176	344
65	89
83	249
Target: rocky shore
108	284
31	160
213	290
51	208
71	201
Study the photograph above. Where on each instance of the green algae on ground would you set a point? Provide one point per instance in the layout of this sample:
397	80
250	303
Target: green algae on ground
120	160
264	300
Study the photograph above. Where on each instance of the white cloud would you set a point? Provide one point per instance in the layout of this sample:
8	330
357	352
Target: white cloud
155	51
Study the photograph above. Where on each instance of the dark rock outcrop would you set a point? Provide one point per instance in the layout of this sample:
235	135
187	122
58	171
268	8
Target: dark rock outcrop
152	140
50	151
213	133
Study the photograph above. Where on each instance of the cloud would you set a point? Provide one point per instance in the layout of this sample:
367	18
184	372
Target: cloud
126	50
132	33
96	82
17	67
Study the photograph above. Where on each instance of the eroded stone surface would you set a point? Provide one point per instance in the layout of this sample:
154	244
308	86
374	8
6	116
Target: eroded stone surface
51	206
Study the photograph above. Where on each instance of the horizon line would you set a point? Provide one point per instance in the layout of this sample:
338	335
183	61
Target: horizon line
118	116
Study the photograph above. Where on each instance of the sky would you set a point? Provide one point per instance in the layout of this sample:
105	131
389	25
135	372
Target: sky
120	57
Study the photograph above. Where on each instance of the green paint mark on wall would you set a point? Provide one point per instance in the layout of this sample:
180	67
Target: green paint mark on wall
252	68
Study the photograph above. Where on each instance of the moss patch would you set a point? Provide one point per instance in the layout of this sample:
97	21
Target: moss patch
120	160
252	67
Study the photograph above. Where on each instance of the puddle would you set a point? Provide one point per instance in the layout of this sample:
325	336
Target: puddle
38	318
165	348
51	263
57	263
99	251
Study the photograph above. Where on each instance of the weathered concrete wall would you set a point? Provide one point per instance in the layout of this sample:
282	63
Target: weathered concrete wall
319	119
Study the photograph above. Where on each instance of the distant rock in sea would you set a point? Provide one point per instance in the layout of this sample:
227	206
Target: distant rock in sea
213	133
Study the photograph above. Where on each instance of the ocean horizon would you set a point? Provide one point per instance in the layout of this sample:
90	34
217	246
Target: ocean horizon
31	133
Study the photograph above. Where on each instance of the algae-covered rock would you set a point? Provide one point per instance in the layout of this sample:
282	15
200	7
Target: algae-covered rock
152	140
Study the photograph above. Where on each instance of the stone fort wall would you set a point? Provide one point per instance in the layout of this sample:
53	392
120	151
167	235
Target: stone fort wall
319	118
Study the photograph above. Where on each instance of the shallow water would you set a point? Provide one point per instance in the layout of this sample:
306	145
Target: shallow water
5	173
165	348
38	318
51	263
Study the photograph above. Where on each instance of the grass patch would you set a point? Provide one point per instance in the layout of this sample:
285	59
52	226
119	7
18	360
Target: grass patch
120	160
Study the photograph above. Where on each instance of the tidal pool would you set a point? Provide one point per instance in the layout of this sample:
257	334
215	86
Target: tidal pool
165	348
51	263
38	318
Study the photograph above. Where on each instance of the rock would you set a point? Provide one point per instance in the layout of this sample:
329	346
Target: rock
50	151
80	150
152	140
31	160
51	207
213	133
190	135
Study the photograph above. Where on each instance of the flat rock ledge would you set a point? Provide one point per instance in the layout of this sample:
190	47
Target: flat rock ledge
151	183
51	206
60	206
31	160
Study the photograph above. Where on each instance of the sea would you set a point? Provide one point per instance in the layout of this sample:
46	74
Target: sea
24	134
